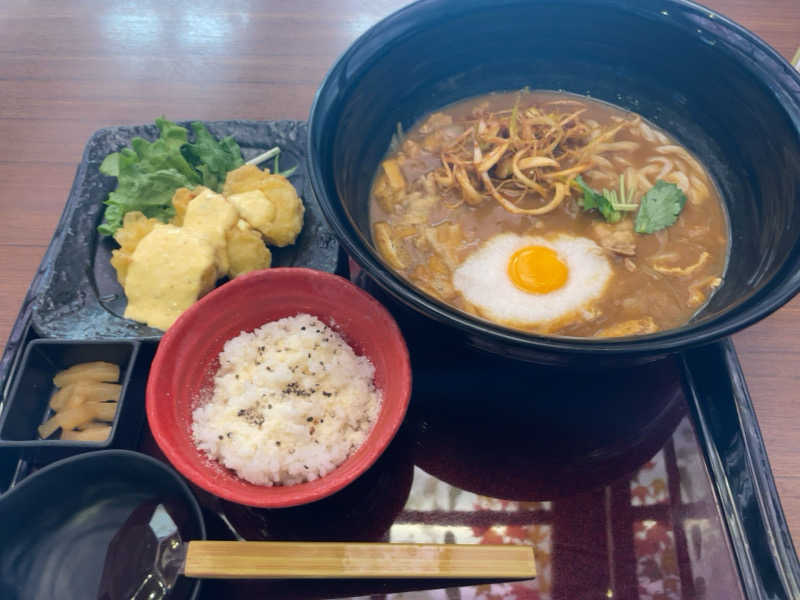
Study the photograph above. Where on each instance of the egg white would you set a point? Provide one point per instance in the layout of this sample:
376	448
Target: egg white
484	281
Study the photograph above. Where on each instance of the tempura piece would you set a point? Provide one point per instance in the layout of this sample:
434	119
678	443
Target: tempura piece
180	201
254	207
134	227
211	215
283	229
170	269
246	250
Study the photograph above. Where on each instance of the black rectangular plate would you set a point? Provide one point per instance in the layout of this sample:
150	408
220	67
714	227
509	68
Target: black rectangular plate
80	297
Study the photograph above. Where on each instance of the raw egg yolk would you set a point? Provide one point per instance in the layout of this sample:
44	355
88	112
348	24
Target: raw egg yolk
537	269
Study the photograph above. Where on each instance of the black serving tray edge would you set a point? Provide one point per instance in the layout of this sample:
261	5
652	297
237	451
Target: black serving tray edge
728	432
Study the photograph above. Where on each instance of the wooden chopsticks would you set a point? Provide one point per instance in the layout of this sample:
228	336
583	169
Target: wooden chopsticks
334	560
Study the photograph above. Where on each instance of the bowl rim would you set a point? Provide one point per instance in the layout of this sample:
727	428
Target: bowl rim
280	496
775	72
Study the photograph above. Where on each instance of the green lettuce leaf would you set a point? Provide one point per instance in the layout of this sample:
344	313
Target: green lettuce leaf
212	158
148	173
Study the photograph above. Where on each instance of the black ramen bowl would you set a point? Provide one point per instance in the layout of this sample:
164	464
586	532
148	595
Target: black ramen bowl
718	89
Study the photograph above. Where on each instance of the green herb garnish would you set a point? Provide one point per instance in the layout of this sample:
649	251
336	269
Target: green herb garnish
608	203
659	208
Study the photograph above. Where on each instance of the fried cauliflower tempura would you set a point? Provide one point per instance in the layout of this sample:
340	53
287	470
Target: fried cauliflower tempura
170	269
165	268
279	225
135	226
246	250
180	201
211	215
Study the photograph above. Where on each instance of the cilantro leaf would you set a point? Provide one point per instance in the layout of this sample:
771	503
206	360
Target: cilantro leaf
593	200
212	158
660	207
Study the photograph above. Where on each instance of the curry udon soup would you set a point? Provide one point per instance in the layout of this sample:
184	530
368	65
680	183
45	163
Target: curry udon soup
551	213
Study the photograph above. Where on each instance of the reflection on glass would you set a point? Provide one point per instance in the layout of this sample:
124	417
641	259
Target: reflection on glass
629	538
656	561
649	485
614	508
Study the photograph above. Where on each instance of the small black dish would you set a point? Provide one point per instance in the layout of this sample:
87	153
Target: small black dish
27	404
717	88
57	523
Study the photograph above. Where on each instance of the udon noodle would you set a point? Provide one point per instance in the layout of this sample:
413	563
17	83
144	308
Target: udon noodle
519	165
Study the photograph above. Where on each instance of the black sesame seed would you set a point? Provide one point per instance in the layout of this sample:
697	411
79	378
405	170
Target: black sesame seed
277	443
309	419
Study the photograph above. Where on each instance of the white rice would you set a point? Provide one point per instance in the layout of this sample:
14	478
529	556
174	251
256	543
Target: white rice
291	402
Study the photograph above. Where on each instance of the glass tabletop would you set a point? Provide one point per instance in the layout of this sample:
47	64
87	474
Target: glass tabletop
601	473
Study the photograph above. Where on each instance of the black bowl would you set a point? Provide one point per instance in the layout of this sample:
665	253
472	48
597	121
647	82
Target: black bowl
722	92
57	523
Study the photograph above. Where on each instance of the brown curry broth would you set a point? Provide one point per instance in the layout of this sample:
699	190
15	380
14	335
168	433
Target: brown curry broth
629	295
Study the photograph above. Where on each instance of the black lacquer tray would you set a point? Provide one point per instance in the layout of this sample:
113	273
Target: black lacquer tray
652	483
